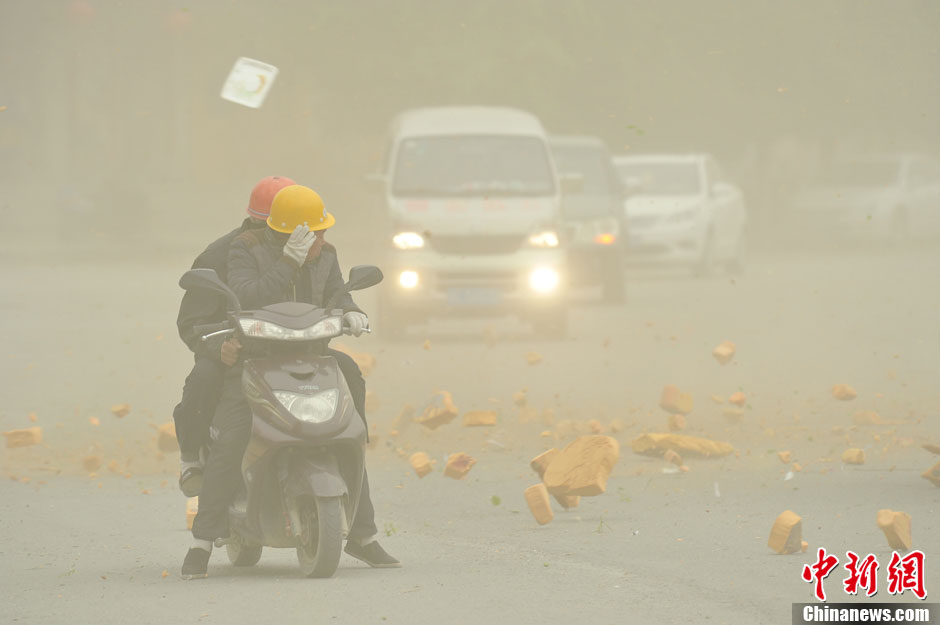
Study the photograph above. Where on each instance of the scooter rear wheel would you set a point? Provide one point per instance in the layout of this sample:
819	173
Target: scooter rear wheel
322	536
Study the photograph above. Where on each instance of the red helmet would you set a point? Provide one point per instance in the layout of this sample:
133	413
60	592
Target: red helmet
259	205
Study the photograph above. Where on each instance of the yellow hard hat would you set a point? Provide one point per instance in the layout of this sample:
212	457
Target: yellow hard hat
295	205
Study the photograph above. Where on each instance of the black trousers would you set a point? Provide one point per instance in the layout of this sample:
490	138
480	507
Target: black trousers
193	414
223	478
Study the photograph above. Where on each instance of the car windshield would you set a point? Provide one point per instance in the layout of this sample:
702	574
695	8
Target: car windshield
472	166
662	178
862	173
592	164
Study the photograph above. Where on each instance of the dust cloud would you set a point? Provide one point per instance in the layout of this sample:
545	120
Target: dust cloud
817	121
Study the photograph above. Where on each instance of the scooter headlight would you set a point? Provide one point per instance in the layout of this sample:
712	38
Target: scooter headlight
325	328
317	408
408	241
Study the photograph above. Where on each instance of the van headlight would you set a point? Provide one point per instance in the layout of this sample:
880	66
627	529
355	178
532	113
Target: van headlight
255	328
317	408
408	241
546	238
408	279
544	280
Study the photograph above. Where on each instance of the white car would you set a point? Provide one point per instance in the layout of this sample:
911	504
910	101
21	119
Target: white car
884	197
680	211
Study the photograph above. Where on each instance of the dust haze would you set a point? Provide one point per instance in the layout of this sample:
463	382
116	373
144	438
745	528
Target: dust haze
771	179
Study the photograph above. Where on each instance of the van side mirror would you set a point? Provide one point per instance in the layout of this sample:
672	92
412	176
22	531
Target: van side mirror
209	280
571	183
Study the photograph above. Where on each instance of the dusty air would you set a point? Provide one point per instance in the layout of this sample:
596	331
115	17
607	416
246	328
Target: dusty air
470	312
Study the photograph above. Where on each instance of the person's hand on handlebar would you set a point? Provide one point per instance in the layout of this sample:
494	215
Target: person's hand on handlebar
230	350
356	321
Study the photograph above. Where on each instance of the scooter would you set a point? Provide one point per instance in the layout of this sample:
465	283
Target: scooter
305	459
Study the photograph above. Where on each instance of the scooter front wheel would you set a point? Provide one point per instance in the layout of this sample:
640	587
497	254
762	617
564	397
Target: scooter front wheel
322	536
241	554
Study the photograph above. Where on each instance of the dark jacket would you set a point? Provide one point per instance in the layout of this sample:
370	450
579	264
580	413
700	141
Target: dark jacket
261	275
201	307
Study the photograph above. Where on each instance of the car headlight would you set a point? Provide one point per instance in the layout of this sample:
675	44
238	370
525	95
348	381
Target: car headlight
255	328
317	408
408	279
408	241
546	238
544	280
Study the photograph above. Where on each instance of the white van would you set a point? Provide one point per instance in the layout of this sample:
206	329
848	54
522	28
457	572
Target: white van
474	202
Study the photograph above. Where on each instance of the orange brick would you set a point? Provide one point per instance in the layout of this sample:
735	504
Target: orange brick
24	438
786	536
458	465
853	456
675	401
421	463
844	392
582	468
537	498
738	399
540	463
785	457
724	352
121	410
440	410
896	527
479	418
654	444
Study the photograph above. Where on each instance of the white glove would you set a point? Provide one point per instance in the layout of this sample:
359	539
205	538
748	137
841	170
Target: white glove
356	321
299	243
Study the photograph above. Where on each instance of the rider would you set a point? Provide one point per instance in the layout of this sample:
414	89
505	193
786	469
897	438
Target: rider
204	383
288	260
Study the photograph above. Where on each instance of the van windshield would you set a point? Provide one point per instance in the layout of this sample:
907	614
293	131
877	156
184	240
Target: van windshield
472	165
650	178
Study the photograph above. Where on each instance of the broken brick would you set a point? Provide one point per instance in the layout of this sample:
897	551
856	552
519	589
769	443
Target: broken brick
537	498
738	399
533	358
24	438
786	536
724	352
933	474
479	418
844	392
654	444
675	401
867	417
32	417
671	456
853	455
934	449
582	468
421	463
896	527
458	465
676	422
121	410
595	426
540	463
519	397
785	456
440	410
166	438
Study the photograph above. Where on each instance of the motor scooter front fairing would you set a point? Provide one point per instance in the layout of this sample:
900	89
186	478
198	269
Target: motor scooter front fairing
307	437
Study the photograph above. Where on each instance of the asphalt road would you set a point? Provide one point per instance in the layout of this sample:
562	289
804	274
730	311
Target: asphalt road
656	548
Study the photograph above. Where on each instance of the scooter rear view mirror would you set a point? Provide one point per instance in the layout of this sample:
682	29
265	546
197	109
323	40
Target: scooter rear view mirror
363	276
208	279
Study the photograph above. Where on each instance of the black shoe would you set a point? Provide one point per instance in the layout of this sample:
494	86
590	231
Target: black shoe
196	564
191	481
372	554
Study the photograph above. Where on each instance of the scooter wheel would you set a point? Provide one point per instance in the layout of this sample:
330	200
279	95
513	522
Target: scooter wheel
241	554
322	536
